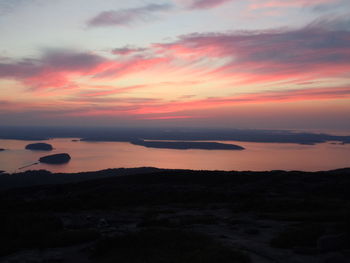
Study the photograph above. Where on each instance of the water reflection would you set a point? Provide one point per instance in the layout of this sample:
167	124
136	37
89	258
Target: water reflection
91	156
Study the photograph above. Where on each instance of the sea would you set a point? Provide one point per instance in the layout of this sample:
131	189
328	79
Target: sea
93	156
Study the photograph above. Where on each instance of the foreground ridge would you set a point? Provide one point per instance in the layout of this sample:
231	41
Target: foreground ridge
246	216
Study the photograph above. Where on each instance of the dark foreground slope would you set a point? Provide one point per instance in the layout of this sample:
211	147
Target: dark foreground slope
180	216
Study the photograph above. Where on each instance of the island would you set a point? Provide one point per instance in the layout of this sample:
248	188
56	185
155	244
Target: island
39	147
2	149
59	158
186	145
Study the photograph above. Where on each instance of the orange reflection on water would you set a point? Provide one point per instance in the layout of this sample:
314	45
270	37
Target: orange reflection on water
92	156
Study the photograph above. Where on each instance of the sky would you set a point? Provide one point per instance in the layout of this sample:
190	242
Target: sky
257	64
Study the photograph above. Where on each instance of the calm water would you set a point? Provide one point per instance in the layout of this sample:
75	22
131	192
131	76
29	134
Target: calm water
92	156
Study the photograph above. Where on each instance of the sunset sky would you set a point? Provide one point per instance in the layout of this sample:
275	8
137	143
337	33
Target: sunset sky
279	64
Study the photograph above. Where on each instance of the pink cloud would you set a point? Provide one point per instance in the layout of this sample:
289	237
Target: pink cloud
59	68
167	117
107	90
240	58
159	109
135	64
152	109
266	55
53	69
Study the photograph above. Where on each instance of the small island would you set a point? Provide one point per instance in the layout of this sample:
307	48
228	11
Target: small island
39	147
59	158
2	149
186	145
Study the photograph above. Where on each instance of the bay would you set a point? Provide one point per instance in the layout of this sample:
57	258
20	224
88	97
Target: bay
93	156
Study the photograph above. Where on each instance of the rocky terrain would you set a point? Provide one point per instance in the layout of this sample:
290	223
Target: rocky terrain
179	216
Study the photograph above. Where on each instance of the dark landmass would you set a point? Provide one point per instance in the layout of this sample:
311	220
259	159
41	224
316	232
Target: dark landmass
39	147
2	149
152	215
264	136
184	145
59	158
43	177
176	134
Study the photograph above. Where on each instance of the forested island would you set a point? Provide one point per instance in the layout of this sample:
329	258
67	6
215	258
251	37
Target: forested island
39	146
185	145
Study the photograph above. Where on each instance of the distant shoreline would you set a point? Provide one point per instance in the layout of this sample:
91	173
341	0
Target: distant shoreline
337	140
157	134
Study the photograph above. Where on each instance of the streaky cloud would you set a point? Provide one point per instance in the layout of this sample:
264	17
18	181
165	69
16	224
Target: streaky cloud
99	91
127	16
332	23
51	69
64	59
127	50
57	68
269	55
150	108
206	4
247	57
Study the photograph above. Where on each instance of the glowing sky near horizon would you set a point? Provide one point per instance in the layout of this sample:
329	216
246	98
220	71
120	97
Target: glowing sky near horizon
280	64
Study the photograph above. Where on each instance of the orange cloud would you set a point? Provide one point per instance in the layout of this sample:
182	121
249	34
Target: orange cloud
162	109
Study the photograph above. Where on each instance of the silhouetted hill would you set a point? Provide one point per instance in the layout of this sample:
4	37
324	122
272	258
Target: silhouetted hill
161	214
43	177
